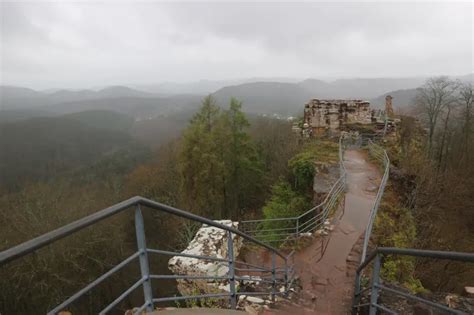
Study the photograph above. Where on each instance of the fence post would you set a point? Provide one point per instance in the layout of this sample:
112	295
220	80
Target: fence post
144	267
230	256
374	296
286	276
297	231
273	277
356	299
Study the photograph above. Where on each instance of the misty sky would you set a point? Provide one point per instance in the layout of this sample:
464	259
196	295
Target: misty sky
88	44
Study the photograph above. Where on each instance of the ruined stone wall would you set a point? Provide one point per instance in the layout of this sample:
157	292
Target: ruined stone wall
322	115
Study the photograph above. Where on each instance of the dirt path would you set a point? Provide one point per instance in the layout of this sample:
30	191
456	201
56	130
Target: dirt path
327	267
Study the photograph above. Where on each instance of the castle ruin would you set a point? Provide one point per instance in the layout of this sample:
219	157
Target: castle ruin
323	115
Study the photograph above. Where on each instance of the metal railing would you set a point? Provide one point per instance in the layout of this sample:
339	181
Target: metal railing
273	275
377	285
289	229
378	153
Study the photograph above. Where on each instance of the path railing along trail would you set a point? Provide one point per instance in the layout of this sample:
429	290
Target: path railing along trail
253	233
278	230
272	275
314	219
376	257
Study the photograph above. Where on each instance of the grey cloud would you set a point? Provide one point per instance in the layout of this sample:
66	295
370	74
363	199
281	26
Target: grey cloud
90	44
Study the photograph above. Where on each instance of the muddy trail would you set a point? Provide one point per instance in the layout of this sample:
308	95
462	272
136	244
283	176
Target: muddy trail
326	266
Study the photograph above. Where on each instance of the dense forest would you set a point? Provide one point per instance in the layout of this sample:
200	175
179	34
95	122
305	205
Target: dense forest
224	165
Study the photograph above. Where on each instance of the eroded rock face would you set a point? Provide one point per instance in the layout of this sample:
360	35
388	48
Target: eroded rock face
325	176
208	241
320	115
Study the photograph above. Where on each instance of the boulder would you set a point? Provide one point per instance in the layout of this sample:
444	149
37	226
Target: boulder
208	241
324	178
469	292
255	300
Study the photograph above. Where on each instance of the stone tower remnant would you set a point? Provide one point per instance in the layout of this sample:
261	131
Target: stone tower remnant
388	105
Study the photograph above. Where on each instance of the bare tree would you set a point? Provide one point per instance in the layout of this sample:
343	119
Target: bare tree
432	99
466	98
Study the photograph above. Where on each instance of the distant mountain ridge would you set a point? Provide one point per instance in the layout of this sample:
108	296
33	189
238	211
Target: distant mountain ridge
288	98
18	103
12	97
263	97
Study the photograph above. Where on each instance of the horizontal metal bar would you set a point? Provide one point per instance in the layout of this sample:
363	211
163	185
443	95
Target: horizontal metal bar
361	305
385	309
421	300
271	230
184	214
363	291
311	220
189	277
191	297
279	235
252	270
267	220
94	283
276	234
165	252
313	225
276	240
279	239
257	293
256	280
47	238
459	256
122	296
252	265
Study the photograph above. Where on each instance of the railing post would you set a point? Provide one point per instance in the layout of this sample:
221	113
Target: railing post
286	276
230	256
356	299
297	231
374	296
144	267
273	277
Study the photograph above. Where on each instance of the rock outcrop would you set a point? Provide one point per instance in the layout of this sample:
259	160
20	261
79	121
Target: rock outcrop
208	241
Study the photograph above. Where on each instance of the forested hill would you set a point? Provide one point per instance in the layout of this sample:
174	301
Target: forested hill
21	103
102	119
41	148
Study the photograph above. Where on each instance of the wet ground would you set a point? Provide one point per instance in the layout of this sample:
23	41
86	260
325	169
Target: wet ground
326	267
197	311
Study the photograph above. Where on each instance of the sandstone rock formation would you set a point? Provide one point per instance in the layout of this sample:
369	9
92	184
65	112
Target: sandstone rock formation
208	241
322	115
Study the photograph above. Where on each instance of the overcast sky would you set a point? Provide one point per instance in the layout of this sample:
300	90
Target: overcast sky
89	44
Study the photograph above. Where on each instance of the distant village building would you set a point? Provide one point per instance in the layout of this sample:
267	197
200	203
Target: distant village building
329	115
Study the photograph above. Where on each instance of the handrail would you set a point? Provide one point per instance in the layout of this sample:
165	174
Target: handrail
373	212
376	256
376	286
141	255
251	226
47	238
